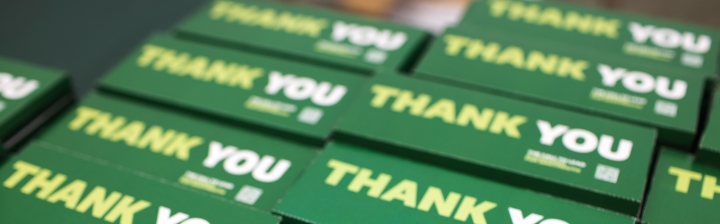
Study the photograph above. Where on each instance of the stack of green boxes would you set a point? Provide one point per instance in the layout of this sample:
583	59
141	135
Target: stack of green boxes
570	77
640	71
228	123
255	112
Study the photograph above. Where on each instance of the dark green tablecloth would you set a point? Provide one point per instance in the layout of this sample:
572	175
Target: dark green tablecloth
84	37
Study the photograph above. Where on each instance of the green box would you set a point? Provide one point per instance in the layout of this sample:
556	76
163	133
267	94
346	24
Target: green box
236	166
288	99
527	145
709	150
623	35
352	184
50	185
563	76
29	95
682	191
306	34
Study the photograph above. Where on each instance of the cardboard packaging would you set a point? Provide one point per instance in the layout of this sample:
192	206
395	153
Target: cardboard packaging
352	184
584	158
709	150
682	191
239	167
570	78
288	99
305	34
51	185
623	35
29	96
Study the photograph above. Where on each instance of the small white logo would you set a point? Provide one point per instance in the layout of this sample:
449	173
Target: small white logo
665	108
375	56
692	60
248	194
310	115
607	173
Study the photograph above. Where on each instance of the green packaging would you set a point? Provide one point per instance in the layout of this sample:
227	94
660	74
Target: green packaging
29	95
239	167
571	78
623	35
682	191
288	99
580	157
709	150
305	34
351	184
50	185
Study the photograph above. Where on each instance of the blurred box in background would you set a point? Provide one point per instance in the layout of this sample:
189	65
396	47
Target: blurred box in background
655	40
29	96
301	33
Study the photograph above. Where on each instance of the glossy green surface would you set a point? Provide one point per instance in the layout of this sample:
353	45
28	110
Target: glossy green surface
211	158
656	41
306	34
682	191
285	98
569	77
500	139
329	193
75	176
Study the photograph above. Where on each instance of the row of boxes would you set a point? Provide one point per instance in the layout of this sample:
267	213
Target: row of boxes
492	127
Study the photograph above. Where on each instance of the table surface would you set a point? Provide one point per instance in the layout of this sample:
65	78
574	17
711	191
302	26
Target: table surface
83	37
86	37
